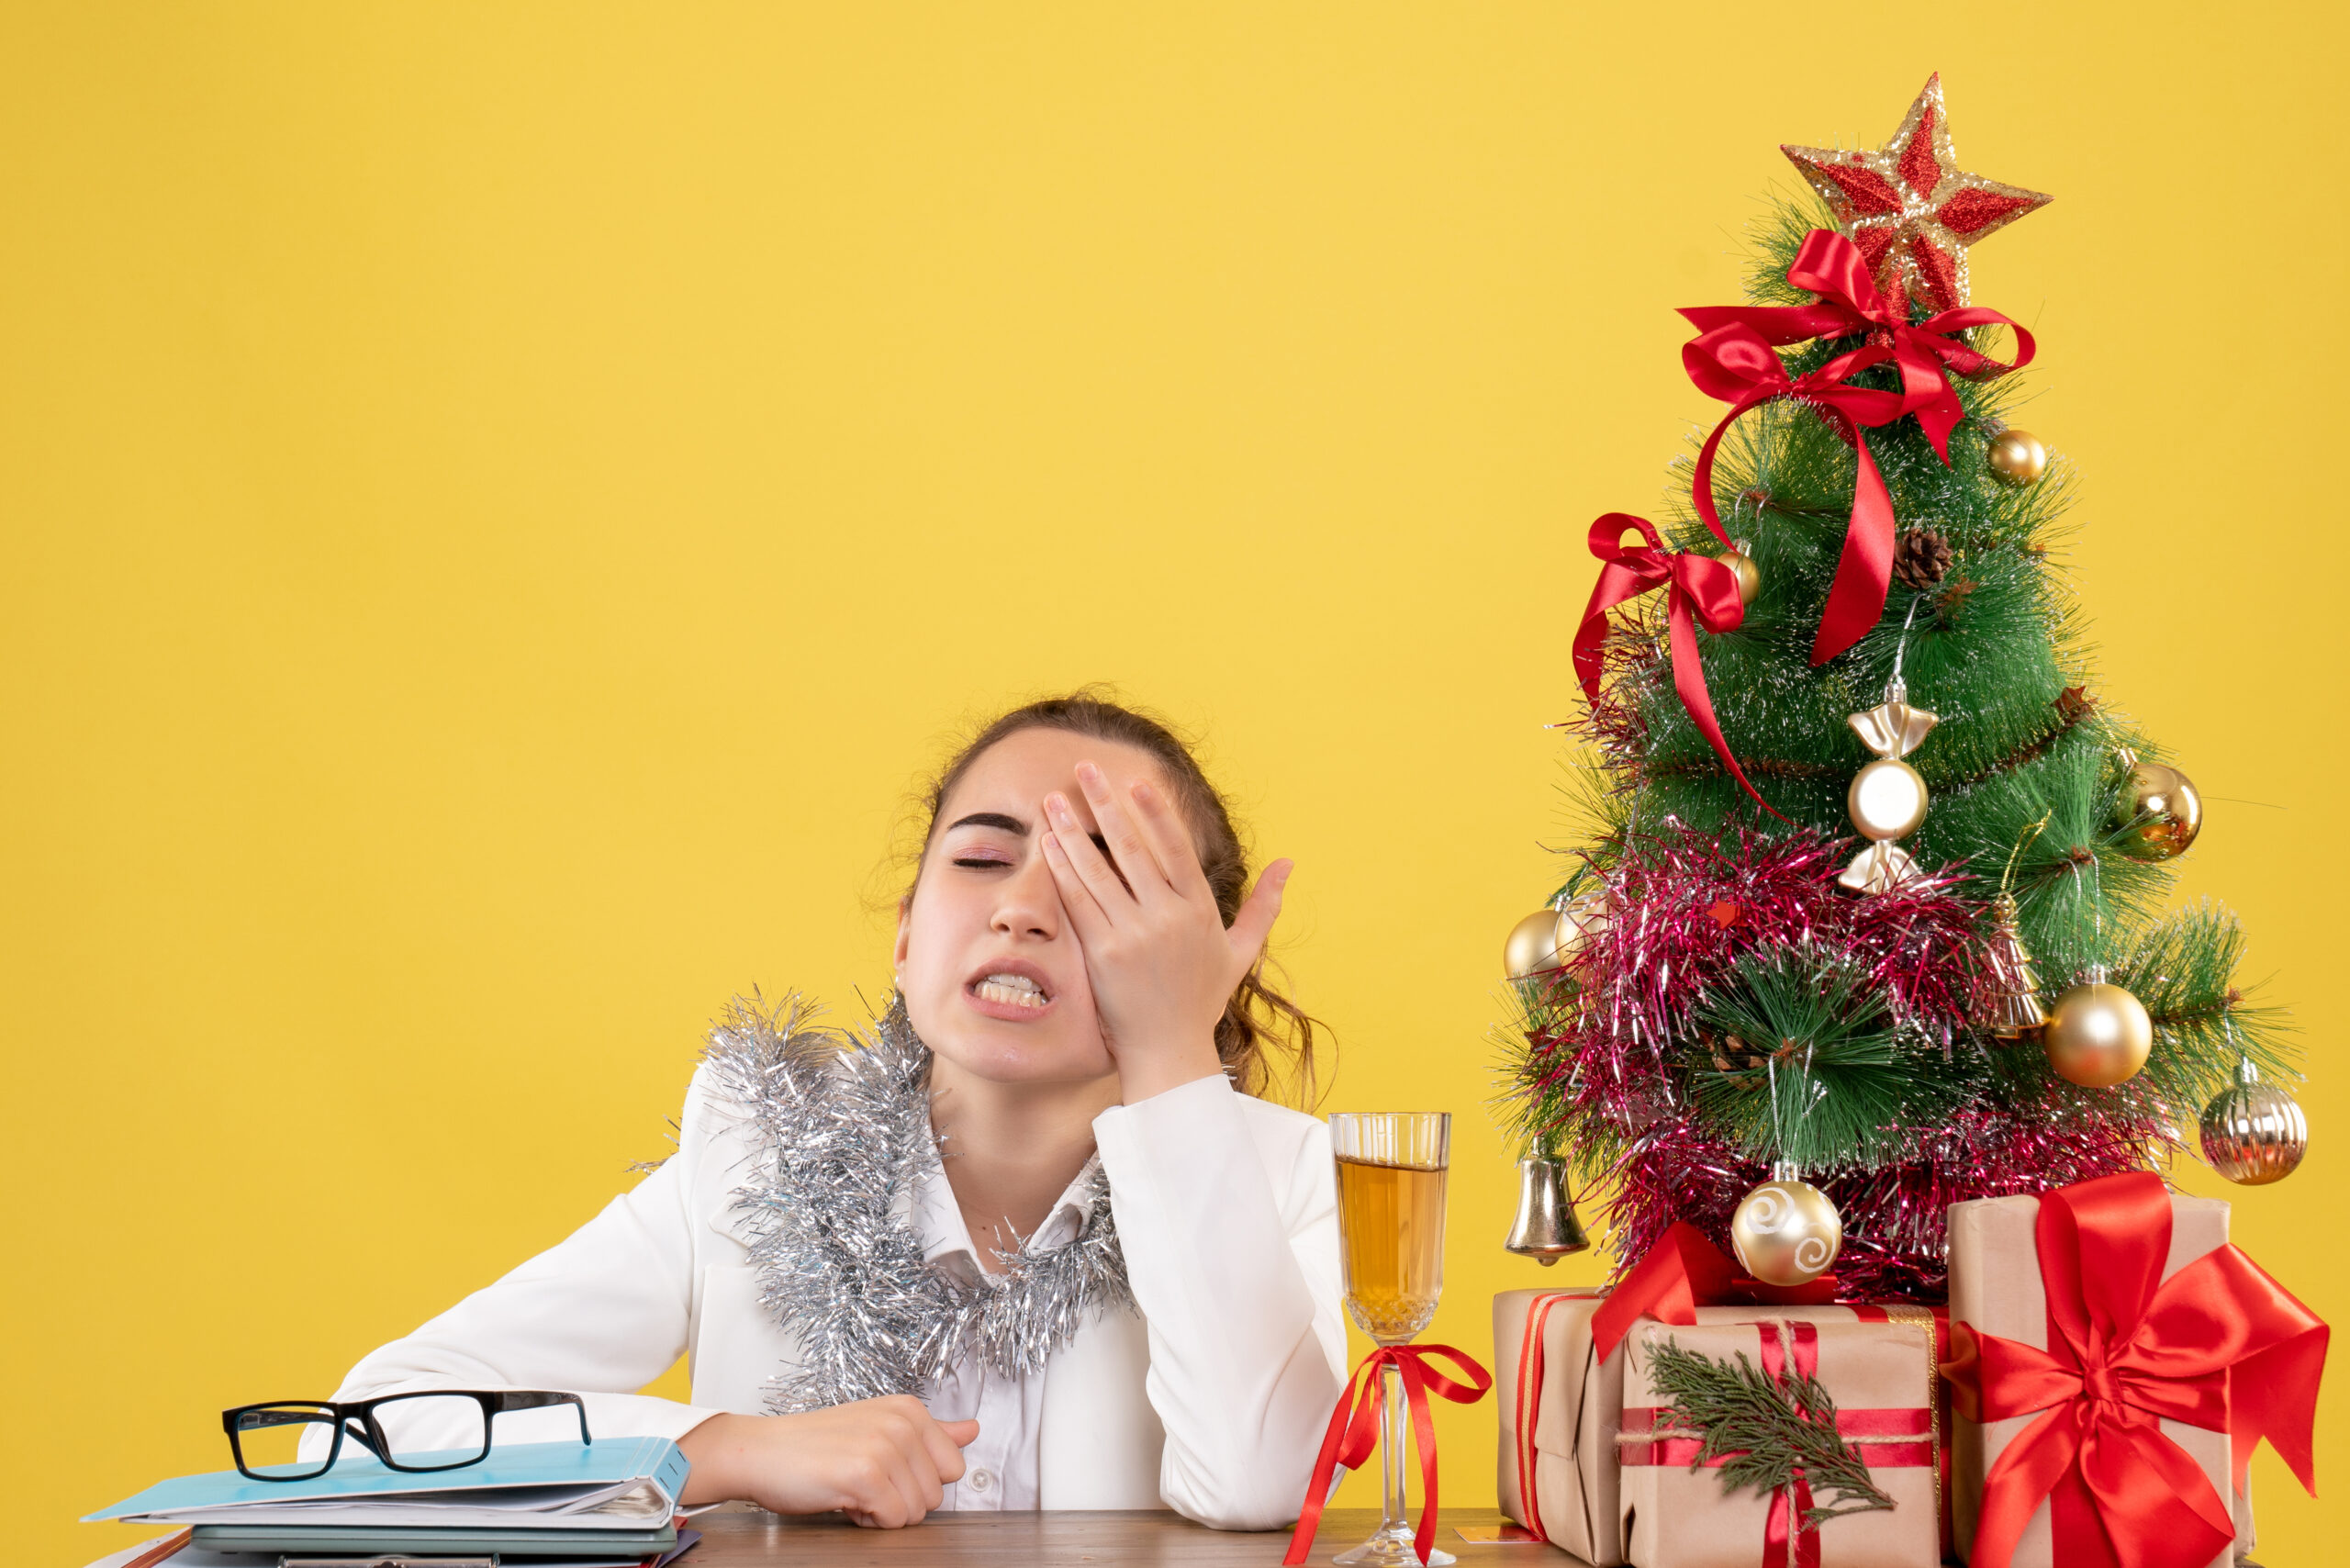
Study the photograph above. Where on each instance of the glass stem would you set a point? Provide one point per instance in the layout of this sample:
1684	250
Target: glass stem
1399	1433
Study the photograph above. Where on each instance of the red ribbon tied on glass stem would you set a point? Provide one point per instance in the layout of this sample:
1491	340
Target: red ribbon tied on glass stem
1734	359
1355	1424
2217	1345
1699	591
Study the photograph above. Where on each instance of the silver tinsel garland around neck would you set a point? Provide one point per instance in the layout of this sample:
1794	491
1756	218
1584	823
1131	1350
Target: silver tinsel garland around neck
841	1139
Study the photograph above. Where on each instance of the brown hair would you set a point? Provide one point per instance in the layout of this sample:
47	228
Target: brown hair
1258	1020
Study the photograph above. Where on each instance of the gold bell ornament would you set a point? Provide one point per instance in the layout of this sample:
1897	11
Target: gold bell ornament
1887	798
1547	1228
2099	1035
2158	811
2254	1133
1785	1231
1546	939
2008	1002
2010	1005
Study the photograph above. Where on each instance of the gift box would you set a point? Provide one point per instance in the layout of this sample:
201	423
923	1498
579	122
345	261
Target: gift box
1559	1471
1678	1507
2114	1318
1995	1286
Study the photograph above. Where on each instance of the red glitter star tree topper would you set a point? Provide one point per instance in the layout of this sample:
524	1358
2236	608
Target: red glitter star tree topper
1910	206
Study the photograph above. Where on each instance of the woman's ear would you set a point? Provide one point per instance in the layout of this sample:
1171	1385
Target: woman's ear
905	928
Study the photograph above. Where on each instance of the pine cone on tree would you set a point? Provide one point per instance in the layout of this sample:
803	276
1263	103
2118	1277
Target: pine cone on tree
1921	556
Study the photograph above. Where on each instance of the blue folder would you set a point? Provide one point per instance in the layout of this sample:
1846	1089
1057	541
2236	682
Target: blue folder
614	1484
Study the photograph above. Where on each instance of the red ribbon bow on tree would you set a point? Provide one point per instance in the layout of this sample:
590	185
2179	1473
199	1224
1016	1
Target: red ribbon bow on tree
2219	1344
1354	1432
1733	360
1695	586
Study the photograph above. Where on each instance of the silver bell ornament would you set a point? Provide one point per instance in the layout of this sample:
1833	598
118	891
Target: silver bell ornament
1547	1228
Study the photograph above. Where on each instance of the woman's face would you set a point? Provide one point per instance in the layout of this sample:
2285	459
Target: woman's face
992	971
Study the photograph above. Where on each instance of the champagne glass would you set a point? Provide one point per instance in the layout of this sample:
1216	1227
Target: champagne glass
1390	1225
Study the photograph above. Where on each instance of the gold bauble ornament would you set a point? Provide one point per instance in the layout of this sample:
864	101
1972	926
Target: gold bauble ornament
1533	945
2008	1003
2099	1036
2158	811
1547	938
2016	458
1785	1232
2254	1133
1741	567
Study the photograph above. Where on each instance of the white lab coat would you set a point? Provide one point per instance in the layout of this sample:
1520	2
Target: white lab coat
1212	1402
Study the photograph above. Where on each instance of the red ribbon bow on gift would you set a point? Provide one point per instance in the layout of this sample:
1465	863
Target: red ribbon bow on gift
2219	1344
1354	1432
1695	586
1682	1273
1733	360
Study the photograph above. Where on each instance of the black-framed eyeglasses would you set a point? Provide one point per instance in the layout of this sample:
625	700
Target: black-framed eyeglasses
449	1427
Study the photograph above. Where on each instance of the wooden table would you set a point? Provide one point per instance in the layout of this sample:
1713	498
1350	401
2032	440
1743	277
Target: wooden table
985	1540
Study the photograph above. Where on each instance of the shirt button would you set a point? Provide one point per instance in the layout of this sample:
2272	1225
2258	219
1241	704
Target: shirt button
980	1481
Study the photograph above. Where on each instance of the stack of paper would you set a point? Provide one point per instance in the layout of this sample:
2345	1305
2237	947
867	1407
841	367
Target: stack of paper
611	1502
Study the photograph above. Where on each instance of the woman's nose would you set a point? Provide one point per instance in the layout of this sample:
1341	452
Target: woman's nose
1031	904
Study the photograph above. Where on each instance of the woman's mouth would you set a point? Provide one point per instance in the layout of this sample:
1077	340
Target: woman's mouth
1015	993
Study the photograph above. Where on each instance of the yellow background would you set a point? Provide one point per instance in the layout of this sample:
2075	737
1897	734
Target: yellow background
501	503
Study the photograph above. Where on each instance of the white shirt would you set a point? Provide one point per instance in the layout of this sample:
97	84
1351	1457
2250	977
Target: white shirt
1000	1465
1212	1400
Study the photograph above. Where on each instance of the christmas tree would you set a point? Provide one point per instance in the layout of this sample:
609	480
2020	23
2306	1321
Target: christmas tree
1875	903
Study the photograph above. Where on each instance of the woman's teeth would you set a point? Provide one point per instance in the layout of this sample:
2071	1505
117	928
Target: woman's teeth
1017	990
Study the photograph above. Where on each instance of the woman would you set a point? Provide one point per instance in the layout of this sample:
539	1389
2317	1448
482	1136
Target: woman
1119	1288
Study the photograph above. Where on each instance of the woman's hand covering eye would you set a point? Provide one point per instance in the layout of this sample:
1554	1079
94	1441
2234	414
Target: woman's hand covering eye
1160	961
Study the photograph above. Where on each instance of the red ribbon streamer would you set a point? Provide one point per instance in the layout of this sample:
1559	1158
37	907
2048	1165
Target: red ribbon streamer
2219	1344
1732	359
1530	1358
1699	591
1682	1273
1892	1421
1354	1432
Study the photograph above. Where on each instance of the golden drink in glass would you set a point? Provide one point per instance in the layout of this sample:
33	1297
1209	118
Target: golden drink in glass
1391	1235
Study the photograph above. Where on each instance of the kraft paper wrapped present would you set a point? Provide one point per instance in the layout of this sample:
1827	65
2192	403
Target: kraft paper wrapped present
1882	1377
1995	1285
1558	1472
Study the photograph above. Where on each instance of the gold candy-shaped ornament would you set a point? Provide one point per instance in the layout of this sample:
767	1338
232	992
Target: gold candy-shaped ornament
1887	798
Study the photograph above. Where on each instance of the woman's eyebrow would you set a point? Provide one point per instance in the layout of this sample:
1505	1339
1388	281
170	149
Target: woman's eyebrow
990	819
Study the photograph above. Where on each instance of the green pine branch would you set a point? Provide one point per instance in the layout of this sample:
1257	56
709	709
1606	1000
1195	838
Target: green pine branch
1763	1429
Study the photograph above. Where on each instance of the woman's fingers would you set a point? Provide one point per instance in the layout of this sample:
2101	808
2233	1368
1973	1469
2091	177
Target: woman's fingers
948	1439
1085	910
1171	842
1130	851
1255	920
1095	872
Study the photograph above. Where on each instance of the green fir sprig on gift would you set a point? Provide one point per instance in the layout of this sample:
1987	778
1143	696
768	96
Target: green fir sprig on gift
1764	1429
